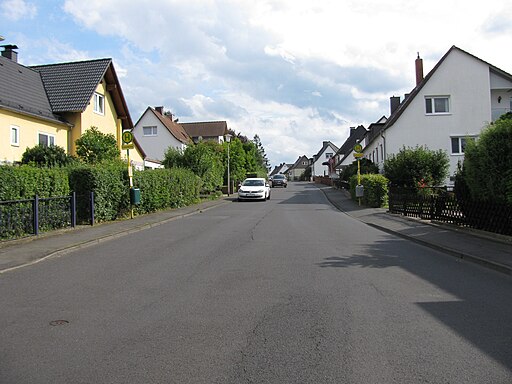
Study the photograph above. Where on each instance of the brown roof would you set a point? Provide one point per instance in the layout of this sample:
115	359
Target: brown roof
174	128
206	128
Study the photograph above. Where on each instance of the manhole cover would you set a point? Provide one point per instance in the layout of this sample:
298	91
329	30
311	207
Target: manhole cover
58	322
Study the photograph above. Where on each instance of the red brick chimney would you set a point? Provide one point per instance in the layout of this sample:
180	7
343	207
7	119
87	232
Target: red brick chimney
419	69
160	110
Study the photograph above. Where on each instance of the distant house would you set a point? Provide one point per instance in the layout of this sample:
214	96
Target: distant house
457	98
345	155
319	166
297	170
280	169
55	104
156	131
206	130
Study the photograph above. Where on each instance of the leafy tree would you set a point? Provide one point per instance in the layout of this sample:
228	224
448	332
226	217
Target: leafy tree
95	147
205	160
413	167
487	170
261	157
237	160
366	167
46	156
173	158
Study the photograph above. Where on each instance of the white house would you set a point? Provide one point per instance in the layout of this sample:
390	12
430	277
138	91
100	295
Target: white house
155	132
455	101
319	165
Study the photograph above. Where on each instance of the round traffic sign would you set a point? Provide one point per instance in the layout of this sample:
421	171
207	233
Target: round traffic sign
127	137
358	148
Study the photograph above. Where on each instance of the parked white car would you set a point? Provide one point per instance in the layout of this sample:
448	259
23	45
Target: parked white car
254	188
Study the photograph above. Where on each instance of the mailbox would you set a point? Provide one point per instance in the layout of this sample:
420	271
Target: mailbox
135	196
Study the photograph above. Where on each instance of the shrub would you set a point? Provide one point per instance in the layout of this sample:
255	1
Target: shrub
487	170
375	189
413	167
94	147
366	166
46	156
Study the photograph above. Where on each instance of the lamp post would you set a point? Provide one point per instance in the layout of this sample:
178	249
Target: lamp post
228	140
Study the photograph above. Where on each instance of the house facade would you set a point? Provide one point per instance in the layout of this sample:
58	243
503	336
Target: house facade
156	131
296	171
55	104
459	97
319	165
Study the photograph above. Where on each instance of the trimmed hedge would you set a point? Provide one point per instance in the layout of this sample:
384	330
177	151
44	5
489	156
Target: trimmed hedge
375	190
25	182
109	182
166	188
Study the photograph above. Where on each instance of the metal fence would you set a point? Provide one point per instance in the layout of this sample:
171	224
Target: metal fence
20	218
438	204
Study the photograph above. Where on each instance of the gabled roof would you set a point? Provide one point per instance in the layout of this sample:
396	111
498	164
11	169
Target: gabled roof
325	145
22	91
356	135
174	129
298	163
206	128
402	107
70	86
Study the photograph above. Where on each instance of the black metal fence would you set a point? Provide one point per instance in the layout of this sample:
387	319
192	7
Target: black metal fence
20	218
441	205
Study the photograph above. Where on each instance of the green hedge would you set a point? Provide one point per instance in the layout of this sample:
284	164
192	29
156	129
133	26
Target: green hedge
25	182
109	182
375	190
166	188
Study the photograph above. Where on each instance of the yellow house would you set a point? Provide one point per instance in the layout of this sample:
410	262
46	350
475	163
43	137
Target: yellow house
55	104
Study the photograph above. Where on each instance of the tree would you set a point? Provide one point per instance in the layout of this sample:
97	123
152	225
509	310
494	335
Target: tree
173	158
205	160
413	167
487	169
46	156
95	147
237	160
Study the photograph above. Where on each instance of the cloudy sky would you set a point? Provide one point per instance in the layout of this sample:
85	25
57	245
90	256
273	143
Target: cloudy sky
294	72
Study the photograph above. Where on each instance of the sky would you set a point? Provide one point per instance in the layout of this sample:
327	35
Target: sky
294	72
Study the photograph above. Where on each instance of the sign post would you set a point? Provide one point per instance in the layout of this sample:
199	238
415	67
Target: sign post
128	144
358	154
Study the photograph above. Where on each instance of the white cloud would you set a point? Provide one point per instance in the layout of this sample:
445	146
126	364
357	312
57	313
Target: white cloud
18	9
295	72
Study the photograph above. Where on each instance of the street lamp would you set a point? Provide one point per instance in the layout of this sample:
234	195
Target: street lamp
228	140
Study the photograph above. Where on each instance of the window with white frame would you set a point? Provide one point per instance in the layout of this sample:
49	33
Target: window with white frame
15	135
435	105
46	139
150	130
99	103
459	144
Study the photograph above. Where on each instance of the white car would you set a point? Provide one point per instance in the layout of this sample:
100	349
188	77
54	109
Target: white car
254	188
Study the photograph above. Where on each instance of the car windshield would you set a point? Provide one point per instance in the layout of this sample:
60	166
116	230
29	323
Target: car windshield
254	183
278	177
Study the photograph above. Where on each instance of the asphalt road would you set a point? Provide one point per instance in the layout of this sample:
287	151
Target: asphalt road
284	291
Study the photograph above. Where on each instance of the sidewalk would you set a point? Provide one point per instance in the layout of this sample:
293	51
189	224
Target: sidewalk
16	253
487	249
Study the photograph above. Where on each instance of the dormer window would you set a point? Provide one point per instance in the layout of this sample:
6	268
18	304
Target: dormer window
99	104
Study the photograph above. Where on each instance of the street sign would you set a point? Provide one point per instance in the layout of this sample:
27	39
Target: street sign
358	155
358	148
127	140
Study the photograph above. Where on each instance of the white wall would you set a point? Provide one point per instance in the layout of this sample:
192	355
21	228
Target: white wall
466	81
155	146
